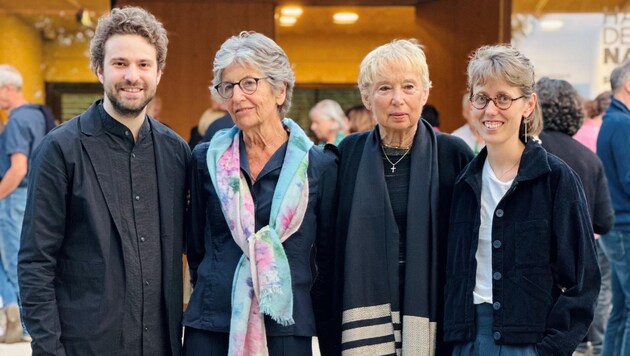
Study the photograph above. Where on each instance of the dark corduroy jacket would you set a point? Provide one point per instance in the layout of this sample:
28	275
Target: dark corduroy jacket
545	274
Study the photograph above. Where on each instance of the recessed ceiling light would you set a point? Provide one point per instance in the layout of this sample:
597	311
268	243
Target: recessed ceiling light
345	18
287	21
294	11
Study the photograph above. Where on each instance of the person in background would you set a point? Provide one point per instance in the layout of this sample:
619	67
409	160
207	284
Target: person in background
612	149
23	133
467	132
521	270
360	119
263	201
154	108
387	271
562	116
595	109
587	135
223	122
432	116
100	261
328	122
212	114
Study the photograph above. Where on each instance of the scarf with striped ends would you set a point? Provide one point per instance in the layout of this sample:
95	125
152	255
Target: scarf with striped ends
377	319
262	280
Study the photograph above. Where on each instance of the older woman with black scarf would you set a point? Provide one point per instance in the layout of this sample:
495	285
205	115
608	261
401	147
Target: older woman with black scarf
383	293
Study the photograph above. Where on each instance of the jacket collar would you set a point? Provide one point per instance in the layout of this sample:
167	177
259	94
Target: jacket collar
92	125
534	163
617	106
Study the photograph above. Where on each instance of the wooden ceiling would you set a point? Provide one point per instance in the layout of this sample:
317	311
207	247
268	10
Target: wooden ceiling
60	15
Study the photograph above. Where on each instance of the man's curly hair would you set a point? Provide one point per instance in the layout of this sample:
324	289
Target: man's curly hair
560	105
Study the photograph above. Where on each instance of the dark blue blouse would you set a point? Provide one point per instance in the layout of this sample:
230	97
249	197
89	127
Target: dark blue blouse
213	254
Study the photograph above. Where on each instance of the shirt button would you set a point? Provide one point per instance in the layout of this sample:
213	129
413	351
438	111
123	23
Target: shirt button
496	305
126	133
496	276
137	197
146	282
496	243
496	335
499	213
142	238
133	155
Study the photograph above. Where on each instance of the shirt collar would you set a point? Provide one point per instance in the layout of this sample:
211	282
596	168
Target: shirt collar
116	128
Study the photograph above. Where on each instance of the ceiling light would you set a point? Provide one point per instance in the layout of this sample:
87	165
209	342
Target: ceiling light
287	21
294	11
345	18
551	25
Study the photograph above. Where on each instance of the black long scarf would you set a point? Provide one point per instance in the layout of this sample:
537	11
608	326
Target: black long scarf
373	323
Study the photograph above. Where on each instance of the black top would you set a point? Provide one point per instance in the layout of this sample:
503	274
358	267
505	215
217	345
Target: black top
591	172
397	180
137	194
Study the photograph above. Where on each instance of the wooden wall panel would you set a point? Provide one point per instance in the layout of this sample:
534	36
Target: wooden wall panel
450	30
196	31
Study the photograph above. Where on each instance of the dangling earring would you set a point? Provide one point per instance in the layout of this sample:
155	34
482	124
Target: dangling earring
525	123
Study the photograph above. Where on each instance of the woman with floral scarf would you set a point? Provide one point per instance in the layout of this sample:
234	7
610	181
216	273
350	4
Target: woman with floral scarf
262	198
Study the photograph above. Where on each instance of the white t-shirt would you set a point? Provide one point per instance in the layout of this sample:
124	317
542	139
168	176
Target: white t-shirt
492	191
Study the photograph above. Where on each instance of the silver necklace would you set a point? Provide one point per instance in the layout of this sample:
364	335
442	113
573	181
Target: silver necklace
393	168
509	170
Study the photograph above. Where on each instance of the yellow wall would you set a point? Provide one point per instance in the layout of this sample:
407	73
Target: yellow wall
40	61
21	46
68	63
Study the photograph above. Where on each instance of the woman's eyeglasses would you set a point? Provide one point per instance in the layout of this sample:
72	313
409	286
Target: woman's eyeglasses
248	86
501	101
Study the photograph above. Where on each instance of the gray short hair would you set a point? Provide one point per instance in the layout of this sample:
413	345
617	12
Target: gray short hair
9	75
408	53
261	52
619	76
332	110
504	62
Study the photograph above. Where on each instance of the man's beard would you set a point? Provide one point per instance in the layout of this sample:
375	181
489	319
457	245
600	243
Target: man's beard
125	110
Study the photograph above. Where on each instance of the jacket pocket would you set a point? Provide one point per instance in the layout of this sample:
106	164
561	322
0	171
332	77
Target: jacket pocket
79	287
532	243
528	297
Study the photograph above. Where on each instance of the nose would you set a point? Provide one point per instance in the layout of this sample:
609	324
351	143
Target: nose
237	92
492	107
131	74
397	96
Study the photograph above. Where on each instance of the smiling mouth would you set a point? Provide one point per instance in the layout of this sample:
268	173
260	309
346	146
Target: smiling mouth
132	90
492	124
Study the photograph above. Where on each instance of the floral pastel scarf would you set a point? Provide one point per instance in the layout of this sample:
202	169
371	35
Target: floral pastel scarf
264	286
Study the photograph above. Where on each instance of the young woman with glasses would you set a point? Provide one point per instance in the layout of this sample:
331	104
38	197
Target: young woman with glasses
522	276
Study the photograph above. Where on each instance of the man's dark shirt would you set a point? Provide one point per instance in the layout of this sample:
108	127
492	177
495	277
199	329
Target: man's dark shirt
134	175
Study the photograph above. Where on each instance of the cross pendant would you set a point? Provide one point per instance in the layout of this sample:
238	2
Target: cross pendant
393	169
